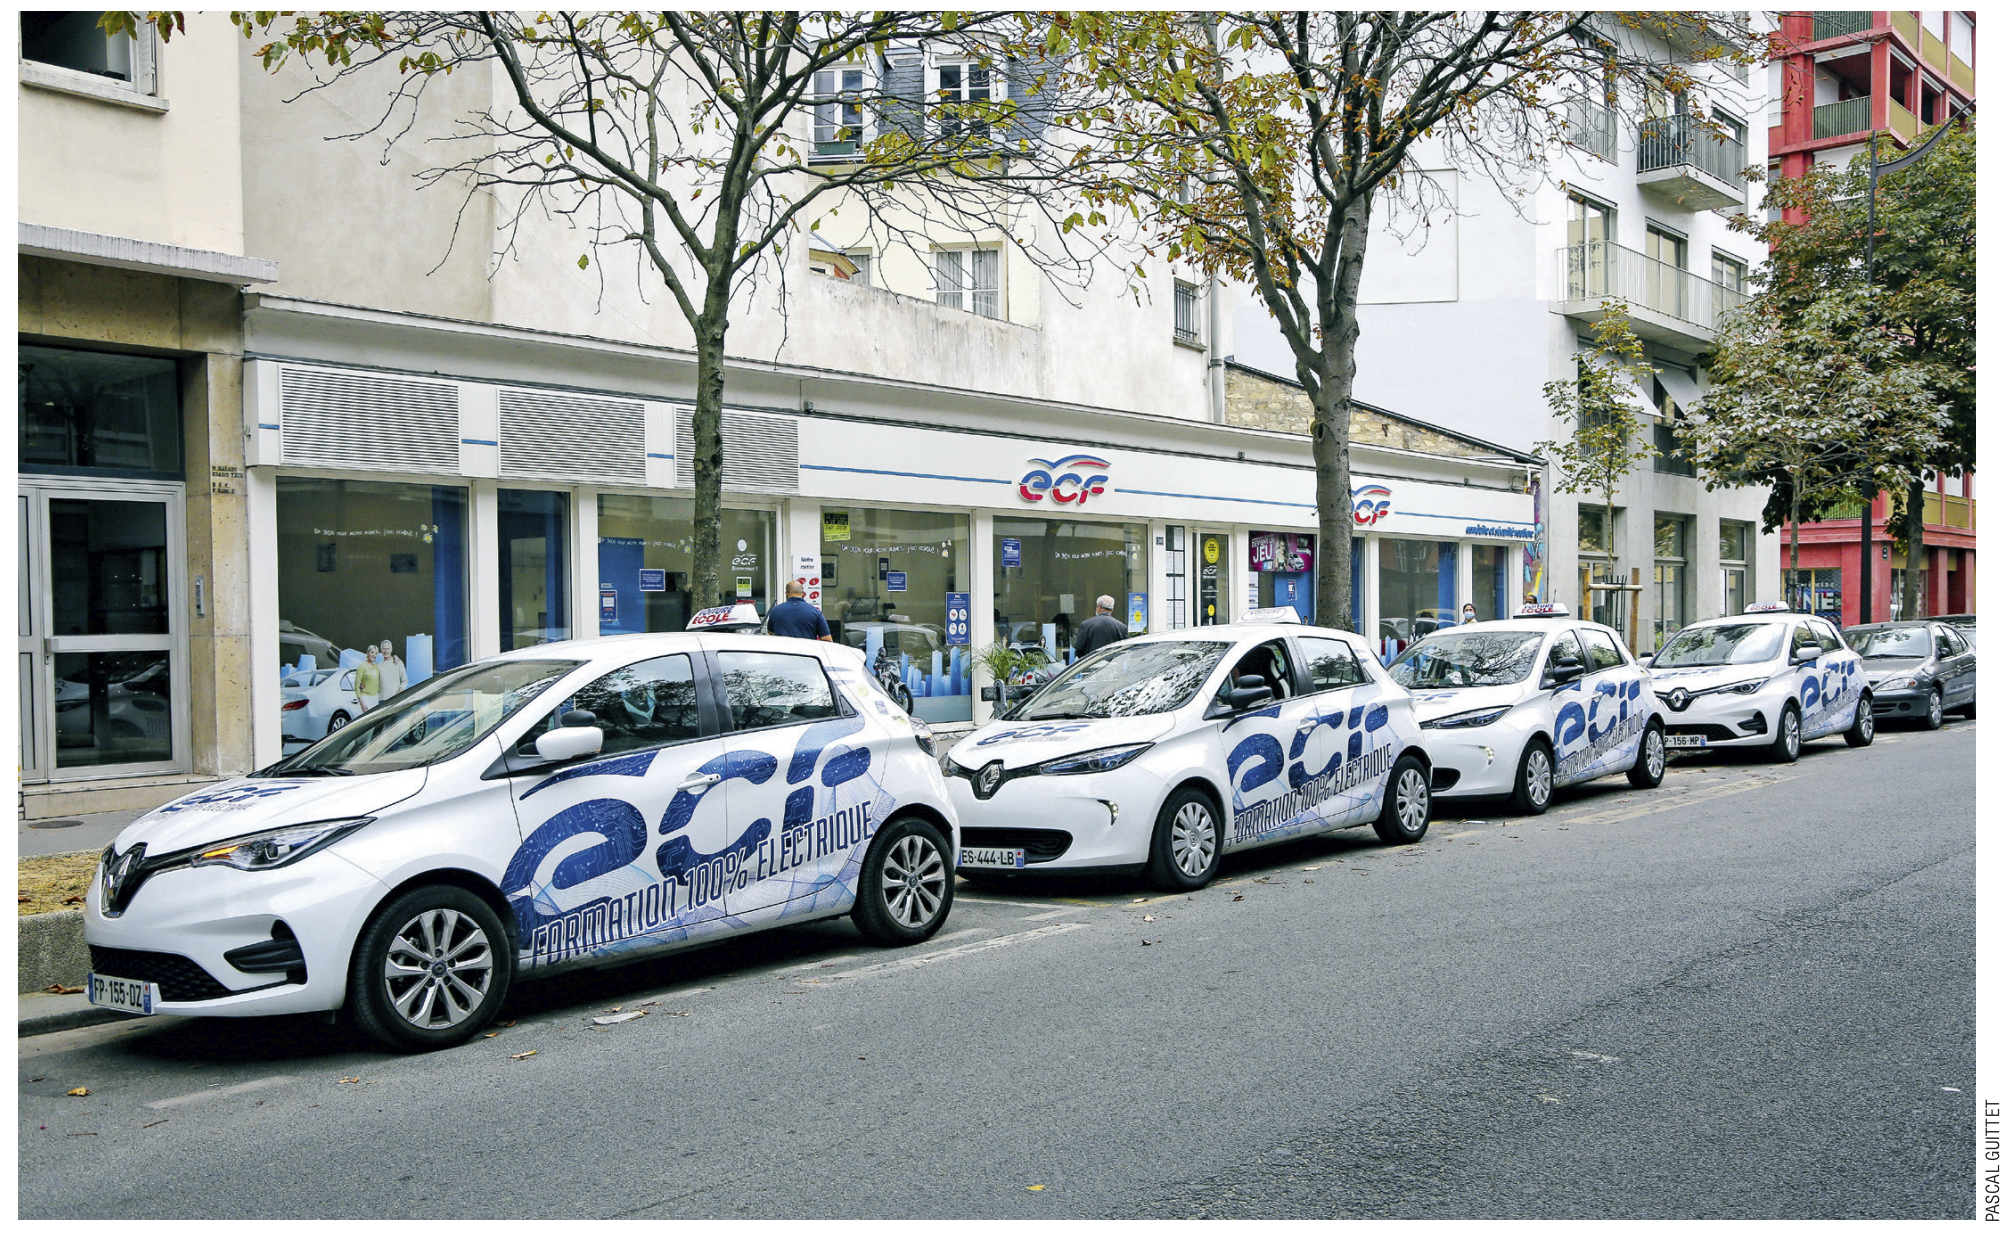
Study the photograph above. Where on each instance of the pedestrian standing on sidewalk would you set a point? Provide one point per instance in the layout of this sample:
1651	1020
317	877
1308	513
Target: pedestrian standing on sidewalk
369	680
796	617
1098	631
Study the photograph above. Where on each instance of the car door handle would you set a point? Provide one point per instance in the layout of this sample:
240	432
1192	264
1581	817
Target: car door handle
1308	726
697	782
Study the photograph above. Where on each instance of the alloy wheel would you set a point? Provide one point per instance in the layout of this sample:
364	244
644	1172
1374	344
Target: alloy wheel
1934	717
1539	777
1193	839
1657	753
1791	722
1865	723
1413	801
912	880
438	968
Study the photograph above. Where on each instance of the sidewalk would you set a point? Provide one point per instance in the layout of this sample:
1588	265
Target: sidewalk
79	833
53	1013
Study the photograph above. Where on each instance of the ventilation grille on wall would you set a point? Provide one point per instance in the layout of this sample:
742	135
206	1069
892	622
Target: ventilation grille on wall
759	452
368	421
567	437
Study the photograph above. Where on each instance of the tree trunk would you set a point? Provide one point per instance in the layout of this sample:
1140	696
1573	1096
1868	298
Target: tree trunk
1332	423
707	454
1793	540
1915	548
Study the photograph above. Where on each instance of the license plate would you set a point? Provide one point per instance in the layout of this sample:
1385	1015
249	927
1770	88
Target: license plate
1686	741
993	858
122	994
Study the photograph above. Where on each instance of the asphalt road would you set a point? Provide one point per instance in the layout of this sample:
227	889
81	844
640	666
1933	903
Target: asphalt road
1747	994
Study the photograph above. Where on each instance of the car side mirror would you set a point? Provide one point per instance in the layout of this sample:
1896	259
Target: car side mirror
1564	672
568	742
1250	691
1803	654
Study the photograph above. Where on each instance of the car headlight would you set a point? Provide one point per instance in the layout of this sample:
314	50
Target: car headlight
268	850
1745	687
924	737
1107	759
1468	719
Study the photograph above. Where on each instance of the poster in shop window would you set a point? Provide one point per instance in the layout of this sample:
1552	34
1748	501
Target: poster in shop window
1210	582
1136	624
837	525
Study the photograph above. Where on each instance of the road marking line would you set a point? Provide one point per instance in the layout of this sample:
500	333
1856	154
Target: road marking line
973	930
1593	818
1059	912
836	959
963	898
1004	940
248	1086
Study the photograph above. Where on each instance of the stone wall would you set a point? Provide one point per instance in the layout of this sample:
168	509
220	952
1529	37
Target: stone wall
1255	400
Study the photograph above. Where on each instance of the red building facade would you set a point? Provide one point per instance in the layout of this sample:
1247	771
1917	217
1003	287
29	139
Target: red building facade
1838	77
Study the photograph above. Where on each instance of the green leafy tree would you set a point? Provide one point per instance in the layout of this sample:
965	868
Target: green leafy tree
1812	405
1924	280
686	135
1606	438
1258	146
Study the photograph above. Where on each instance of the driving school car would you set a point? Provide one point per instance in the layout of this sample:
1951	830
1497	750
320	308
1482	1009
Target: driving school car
1766	677
572	804
1161	752
1530	704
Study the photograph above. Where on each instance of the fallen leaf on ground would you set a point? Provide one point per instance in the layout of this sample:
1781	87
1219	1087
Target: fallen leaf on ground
654	1002
157	1122
507	1024
350	1079
1308	880
623	1018
520	1057
1037	1187
78	1092
1137	901
488	1034
1236	898
76	900
1149	917
60	988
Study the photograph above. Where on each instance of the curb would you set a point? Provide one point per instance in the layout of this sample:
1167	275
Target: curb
52	950
55	1013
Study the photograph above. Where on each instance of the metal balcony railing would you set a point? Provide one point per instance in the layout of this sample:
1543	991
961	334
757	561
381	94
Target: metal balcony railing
1601	270
1835	25
1839	119
1593	128
1682	141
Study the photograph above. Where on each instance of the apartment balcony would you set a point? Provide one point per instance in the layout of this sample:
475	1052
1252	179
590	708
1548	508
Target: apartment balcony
1835	25
1666	304
1686	165
1842	119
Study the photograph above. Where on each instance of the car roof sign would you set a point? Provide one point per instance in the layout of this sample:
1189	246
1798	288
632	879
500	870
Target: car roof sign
741	616
1770	606
1283	615
1543	610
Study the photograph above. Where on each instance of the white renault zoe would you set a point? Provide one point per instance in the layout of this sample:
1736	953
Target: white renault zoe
1162	752
1767	677
1525	706
573	804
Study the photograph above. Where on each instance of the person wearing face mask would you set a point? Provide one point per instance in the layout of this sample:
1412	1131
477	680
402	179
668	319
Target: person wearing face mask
1467	616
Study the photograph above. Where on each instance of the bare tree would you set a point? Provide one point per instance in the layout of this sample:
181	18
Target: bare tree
1258	144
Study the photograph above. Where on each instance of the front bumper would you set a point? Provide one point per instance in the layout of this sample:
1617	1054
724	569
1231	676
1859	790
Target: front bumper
178	926
1474	762
1070	813
1887	703
1722	720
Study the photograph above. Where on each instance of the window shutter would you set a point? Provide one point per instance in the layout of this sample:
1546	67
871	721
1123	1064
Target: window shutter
1028	86
904	107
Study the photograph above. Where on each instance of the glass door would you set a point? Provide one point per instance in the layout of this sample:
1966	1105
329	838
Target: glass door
102	649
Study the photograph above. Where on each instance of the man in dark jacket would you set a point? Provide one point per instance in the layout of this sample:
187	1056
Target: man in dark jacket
796	617
1098	631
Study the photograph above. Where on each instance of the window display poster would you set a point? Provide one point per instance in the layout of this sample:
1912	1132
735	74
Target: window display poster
743	587
1286	552
957	604
896	580
883	566
607	602
837	525
1010	549
1137	603
811	577
652	580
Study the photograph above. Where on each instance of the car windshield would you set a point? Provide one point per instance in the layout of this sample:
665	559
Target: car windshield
1125	679
1453	661
430	722
1903	643
1746	642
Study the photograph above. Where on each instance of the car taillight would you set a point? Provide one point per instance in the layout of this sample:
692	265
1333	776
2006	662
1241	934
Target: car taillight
295	705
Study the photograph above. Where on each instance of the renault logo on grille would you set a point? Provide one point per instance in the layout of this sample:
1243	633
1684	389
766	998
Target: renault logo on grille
987	780
1678	698
119	871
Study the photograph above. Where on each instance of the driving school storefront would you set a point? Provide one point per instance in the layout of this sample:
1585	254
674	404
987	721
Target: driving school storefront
452	502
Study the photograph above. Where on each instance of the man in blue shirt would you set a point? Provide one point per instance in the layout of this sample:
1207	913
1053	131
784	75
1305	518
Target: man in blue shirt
796	617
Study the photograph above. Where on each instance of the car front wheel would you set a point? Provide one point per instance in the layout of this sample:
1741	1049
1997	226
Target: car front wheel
339	720
1535	779
1187	843
1652	762
1787	741
430	970
1934	715
904	886
1864	726
1406	809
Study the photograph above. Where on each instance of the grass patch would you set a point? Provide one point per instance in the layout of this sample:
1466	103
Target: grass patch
46	882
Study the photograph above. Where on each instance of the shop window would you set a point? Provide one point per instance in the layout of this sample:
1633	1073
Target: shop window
1596	563
967	279
1283	566
1490	581
1047	573
888	591
532	568
1816	591
1175	583
1419	580
645	561
363	564
99	412
1671	576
